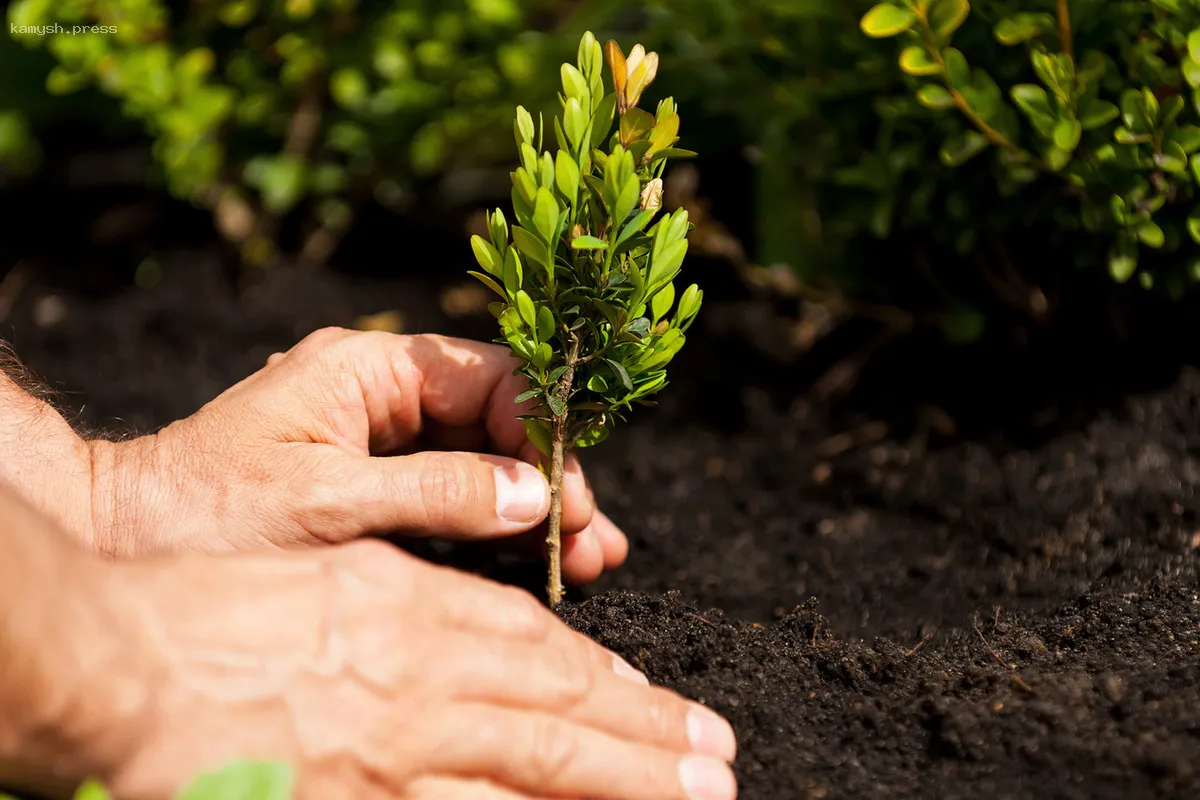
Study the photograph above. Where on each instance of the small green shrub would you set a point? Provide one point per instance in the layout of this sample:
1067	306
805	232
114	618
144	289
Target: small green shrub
586	283
938	152
263	108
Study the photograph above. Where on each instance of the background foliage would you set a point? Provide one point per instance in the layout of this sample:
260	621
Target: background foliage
954	159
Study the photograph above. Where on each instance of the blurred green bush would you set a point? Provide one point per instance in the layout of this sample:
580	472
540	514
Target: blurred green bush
263	108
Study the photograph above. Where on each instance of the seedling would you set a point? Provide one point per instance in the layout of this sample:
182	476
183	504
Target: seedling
585	280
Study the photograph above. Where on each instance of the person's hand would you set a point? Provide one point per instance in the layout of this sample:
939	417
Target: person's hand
378	675
327	443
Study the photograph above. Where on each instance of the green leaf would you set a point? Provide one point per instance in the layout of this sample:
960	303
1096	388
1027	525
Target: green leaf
88	790
957	69
960	149
514	275
557	406
936	97
530	245
634	226
545	324
243	780
1095	113
627	200
586	242
575	122
1067	133
597	384
1151	234
593	436
488	282
524	127
487	255
543	355
528	395
621	374
538	434
545	214
602	120
1020	28
278	178
1172	159
915	60
1193	44
886	20
566	173
1035	103
672	152
1122	265
947	16
665	133
660	306
527	310
1191	70
1193	224
574	84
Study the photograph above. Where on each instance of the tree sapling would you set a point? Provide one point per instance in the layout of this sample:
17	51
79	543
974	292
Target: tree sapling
585	281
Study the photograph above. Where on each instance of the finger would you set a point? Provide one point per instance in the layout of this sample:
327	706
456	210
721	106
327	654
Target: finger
408	381
613	542
577	501
440	788
582	558
556	677
379	575
459	496
530	751
275	358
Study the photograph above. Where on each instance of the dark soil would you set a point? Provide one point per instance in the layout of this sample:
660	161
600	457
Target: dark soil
884	607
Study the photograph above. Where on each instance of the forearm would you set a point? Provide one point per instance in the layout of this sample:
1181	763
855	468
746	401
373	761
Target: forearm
69	683
41	456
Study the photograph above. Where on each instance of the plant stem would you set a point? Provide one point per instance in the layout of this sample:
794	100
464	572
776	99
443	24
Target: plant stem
554	588
991	134
1064	29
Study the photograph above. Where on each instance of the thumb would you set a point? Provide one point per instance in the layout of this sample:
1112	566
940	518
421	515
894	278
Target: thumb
451	495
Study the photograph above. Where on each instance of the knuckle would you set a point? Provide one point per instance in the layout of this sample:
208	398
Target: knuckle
553	749
574	674
447	489
526	618
370	551
664	717
321	338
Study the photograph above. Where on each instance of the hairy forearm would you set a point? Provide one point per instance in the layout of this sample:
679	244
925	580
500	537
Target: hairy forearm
69	684
41	455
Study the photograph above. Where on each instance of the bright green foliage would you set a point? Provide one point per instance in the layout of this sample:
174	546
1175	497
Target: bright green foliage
585	274
1120	134
241	780
924	152
261	108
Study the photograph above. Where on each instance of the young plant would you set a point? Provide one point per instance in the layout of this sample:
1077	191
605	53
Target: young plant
585	280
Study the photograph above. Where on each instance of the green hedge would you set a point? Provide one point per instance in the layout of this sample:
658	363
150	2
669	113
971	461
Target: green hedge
942	155
937	153
263	108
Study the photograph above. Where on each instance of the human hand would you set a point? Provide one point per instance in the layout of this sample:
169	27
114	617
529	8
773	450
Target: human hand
378	675
325	444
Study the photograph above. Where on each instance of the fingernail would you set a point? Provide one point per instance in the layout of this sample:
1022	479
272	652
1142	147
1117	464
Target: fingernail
710	734
707	778
520	493
626	671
